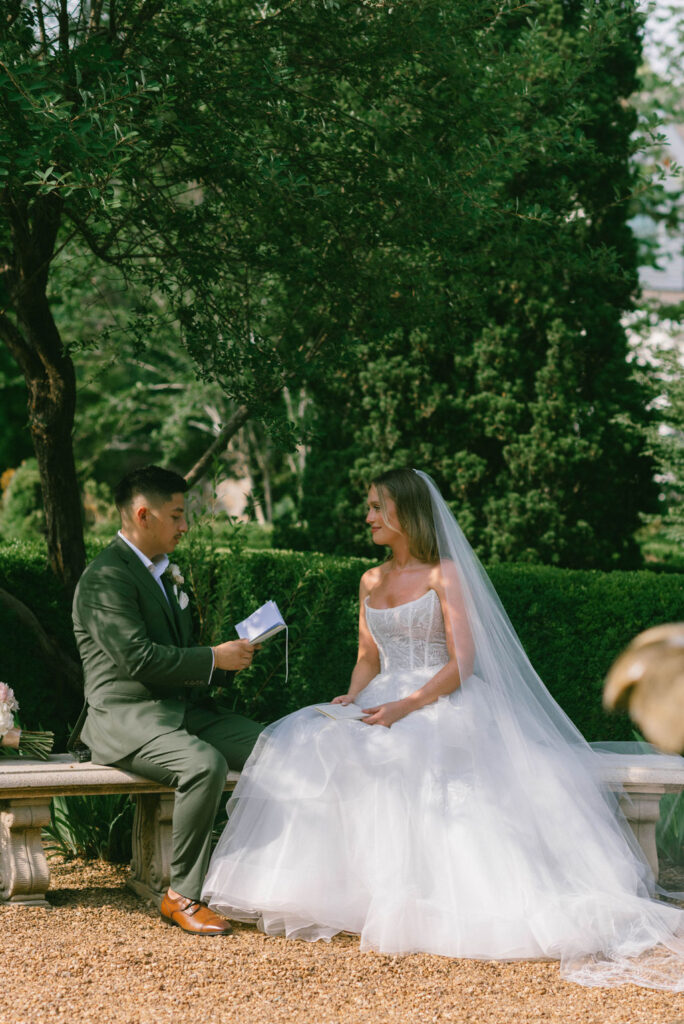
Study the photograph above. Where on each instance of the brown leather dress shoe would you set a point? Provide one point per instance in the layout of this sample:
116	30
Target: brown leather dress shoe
193	917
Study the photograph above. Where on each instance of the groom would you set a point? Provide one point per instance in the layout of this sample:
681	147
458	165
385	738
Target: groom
147	684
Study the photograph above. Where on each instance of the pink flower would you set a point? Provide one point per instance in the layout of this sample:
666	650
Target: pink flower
7	697
8	704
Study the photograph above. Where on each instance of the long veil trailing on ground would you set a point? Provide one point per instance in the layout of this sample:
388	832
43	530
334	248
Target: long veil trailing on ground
614	931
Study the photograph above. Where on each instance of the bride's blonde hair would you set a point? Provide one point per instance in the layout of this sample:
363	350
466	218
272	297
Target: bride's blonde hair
411	497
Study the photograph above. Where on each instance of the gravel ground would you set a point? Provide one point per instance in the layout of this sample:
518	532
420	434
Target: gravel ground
101	954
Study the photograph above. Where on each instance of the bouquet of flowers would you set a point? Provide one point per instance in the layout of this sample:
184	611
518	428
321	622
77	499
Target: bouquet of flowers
28	744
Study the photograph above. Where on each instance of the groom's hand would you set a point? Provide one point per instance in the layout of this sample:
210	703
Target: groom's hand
234	655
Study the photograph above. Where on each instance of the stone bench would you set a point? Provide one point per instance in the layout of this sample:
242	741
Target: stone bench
641	785
26	788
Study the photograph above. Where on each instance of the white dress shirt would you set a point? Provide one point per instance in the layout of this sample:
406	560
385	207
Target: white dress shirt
156	566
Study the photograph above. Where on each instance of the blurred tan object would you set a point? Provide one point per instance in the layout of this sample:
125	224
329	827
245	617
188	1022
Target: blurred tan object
648	681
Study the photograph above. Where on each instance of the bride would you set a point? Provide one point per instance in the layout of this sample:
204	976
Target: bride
461	813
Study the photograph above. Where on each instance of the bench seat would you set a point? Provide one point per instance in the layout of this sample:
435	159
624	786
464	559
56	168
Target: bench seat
26	788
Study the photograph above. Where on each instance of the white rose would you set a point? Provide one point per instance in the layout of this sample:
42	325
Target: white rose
181	597
6	719
175	574
7	697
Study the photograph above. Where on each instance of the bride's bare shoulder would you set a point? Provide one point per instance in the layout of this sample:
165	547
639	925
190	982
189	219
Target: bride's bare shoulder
444	574
370	579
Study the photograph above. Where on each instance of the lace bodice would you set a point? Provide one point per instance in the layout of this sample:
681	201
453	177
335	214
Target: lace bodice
411	636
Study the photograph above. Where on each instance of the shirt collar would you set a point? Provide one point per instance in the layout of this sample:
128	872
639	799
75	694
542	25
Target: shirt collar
156	566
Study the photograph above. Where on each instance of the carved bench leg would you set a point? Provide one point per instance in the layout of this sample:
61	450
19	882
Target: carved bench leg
24	871
642	811
150	871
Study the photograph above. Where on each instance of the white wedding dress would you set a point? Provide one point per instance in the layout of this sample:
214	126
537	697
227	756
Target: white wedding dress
440	835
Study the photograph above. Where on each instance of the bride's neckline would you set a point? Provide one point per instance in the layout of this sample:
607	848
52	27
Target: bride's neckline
404	604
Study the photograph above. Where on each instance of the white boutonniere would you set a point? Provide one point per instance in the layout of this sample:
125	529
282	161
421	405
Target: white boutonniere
178	579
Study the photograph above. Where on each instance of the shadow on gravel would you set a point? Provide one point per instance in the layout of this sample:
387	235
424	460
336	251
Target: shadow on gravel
96	896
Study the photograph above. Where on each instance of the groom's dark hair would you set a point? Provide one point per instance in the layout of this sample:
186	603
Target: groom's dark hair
152	481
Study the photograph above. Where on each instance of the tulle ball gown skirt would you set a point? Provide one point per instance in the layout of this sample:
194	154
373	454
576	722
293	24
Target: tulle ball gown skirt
429	837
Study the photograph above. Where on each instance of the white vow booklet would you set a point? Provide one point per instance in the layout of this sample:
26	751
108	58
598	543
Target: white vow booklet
339	711
262	624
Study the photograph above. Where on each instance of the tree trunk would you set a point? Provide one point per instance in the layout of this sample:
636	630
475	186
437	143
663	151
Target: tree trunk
35	343
52	403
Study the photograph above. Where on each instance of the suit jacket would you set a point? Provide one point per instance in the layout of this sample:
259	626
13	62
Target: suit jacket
140	667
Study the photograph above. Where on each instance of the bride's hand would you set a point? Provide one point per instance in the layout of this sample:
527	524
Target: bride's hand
386	714
344	699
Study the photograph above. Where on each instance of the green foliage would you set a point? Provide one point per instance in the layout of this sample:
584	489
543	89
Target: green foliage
15	443
501	367
399	196
99	512
670	828
314	595
572	624
46	699
21	510
318	599
90	826
136	404
665	538
657	204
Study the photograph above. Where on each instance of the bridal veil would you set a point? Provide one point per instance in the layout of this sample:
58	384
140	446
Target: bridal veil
617	932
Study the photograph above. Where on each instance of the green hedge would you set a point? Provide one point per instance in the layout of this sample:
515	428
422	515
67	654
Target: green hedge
45	699
572	624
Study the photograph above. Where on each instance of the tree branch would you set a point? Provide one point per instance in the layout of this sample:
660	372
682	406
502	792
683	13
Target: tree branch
112	21
41	27
239	417
63	28
149	9
95	16
99	249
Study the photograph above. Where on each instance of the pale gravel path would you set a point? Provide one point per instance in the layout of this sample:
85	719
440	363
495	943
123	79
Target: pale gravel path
101	955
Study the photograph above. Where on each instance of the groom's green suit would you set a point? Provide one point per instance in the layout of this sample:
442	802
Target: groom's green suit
149	709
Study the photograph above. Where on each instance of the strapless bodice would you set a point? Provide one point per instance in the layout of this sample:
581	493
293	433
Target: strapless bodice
410	636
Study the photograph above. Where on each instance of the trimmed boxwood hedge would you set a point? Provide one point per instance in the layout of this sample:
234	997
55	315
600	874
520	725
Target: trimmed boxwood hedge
572	624
45	699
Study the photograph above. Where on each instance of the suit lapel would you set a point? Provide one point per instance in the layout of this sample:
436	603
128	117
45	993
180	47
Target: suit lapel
182	616
185	625
174	606
148	584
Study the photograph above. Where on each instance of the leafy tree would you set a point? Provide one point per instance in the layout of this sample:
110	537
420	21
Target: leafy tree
150	404
512	384
664	533
15	443
291	188
21	514
658	210
259	168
